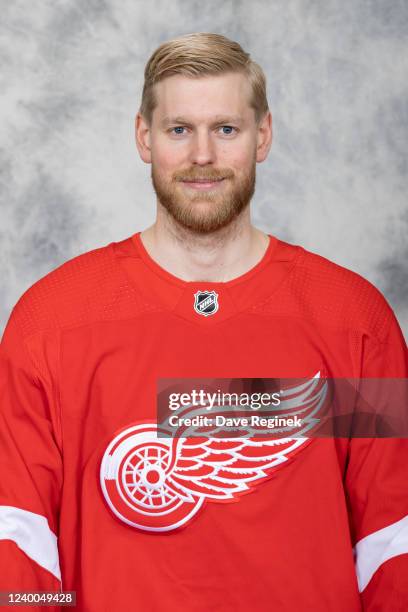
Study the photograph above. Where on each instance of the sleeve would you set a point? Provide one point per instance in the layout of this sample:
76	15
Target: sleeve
31	469
376	485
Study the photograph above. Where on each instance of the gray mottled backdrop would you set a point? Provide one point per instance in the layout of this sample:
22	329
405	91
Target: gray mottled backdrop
336	177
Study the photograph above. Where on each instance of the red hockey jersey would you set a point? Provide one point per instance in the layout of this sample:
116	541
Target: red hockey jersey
84	347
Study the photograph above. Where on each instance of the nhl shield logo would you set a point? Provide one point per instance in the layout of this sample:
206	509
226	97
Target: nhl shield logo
206	302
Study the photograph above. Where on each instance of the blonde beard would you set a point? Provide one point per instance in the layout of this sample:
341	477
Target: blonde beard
220	210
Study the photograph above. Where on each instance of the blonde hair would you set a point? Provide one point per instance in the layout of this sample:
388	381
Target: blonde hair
199	54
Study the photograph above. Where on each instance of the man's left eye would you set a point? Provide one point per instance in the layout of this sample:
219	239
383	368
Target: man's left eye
228	127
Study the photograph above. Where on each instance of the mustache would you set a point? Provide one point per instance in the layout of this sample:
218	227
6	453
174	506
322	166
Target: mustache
208	176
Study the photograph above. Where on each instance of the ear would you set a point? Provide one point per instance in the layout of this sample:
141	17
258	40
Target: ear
142	137
264	137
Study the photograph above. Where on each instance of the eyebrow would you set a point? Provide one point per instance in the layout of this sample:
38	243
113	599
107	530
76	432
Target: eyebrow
216	121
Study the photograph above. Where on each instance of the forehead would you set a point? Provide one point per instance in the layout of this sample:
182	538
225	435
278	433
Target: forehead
201	97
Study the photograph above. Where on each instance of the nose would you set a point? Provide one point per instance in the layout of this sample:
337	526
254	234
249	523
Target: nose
202	148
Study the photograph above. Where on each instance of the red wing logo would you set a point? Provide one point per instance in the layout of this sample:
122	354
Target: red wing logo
159	484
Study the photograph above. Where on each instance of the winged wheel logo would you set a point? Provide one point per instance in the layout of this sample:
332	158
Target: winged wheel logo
159	484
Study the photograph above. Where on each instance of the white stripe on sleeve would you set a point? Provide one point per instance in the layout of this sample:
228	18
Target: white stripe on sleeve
374	549
32	535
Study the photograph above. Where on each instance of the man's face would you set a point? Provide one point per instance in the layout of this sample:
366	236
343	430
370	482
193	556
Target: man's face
203	129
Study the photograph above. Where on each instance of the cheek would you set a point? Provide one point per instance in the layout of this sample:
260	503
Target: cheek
238	159
167	154
168	159
240	165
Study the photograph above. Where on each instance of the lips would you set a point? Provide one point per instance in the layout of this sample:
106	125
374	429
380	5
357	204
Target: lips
195	180
203	184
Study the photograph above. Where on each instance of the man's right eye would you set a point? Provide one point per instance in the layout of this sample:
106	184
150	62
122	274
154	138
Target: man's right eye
179	127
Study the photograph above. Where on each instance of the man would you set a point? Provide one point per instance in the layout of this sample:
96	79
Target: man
92	499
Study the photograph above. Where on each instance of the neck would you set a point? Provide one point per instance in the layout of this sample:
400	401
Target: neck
217	257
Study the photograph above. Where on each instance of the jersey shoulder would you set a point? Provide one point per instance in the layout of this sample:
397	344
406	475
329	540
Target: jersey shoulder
86	288
330	294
